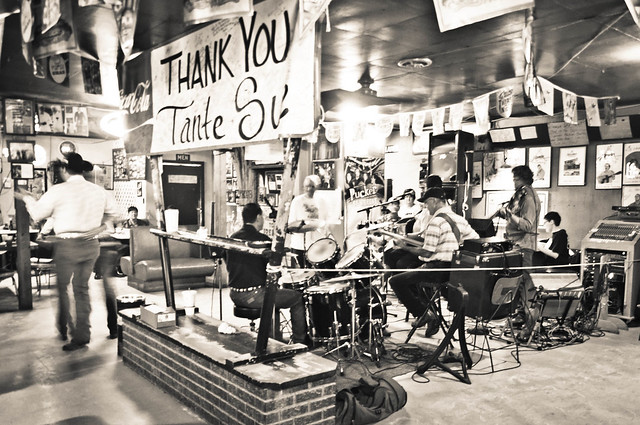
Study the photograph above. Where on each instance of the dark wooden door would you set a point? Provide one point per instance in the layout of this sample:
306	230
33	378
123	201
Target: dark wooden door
183	187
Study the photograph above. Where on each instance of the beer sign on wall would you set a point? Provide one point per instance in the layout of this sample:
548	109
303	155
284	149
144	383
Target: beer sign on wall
235	81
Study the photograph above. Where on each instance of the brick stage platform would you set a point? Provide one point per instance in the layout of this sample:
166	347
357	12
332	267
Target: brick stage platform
190	361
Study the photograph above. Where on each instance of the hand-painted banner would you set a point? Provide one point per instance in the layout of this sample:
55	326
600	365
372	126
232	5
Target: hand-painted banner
235	81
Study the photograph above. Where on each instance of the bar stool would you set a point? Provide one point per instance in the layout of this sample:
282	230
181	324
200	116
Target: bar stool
253	314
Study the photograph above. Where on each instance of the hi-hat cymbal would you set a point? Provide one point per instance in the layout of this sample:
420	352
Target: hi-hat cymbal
348	277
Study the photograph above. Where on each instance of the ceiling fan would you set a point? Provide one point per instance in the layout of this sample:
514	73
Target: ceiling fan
365	96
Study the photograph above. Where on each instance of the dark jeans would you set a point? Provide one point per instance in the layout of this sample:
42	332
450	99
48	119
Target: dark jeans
407	285
285	298
401	259
106	266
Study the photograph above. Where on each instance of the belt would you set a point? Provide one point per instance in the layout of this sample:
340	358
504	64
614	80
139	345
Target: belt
249	289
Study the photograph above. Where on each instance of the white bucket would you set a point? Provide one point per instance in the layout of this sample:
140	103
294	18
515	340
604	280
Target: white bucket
189	298
171	220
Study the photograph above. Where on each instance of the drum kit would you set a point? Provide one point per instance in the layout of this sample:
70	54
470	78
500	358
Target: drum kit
345	308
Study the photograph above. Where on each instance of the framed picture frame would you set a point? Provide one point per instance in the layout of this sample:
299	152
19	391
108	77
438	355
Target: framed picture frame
137	167
571	168
76	121
103	175
630	196
476	180
120	172
539	161
609	166
631	172
273	181
50	118
326	170
543	195
496	199
498	165
18	116
38	184
22	151
20	171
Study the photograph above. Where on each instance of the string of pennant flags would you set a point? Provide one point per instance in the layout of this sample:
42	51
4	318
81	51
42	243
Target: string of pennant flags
414	121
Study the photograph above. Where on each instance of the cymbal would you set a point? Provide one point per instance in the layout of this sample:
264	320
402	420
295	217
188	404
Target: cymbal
348	277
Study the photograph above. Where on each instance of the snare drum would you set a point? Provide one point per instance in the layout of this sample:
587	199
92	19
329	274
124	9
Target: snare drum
298	280
329	312
323	254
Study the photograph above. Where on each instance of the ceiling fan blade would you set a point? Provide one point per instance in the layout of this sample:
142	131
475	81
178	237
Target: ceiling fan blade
332	99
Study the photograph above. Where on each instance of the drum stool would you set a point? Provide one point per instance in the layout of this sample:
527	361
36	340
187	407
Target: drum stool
253	314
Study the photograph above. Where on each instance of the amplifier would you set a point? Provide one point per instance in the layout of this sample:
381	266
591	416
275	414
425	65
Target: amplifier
503	260
487	245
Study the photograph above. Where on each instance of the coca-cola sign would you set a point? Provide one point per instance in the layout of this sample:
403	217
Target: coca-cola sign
137	101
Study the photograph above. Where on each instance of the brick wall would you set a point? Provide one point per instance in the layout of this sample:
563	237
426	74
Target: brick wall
224	396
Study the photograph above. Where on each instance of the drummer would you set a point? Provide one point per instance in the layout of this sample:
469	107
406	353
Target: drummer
409	207
307	219
248	275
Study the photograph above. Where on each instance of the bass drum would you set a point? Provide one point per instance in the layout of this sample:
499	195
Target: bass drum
364	305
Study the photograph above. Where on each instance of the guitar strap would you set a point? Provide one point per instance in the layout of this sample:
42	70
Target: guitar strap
453	225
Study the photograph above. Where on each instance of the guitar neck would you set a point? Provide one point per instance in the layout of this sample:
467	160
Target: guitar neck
408	241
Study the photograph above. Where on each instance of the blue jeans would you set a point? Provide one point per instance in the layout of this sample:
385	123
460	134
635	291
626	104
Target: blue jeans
285	298
74	260
407	286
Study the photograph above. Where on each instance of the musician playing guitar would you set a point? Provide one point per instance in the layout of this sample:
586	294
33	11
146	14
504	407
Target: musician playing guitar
442	237
522	216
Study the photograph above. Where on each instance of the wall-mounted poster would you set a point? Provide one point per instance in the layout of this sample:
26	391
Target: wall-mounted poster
631	163
630	196
120	165
38	185
325	149
50	118
103	175
76	121
21	151
326	170
609	166
543	195
495	200
571	169
18	116
476	180
540	164
497	168
136	167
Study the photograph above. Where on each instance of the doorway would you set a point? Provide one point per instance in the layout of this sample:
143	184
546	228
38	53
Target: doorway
182	184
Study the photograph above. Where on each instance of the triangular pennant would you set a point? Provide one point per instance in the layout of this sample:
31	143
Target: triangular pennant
405	123
592	111
455	116
610	110
418	122
384	126
50	14
481	111
437	117
359	130
332	131
546	105
570	107
504	102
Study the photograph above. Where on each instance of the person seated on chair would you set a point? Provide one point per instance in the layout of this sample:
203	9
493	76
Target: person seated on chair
248	275
443	235
133	220
409	207
555	250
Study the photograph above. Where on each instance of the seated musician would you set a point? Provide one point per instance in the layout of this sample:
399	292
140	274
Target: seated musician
409	207
555	250
443	235
398	258
248	275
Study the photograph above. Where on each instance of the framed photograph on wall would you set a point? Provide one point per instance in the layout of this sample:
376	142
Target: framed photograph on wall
38	184
21	151
571	168
543	195
631	172
22	171
103	175
497	168
630	196
326	170
495	200
476	180
137	167
18	116
120	165
274	181
609	166
50	118
540	163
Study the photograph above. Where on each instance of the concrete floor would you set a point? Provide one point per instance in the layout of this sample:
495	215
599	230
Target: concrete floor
596	382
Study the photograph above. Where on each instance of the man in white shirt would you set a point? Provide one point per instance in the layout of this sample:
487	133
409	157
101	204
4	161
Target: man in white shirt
307	218
78	209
